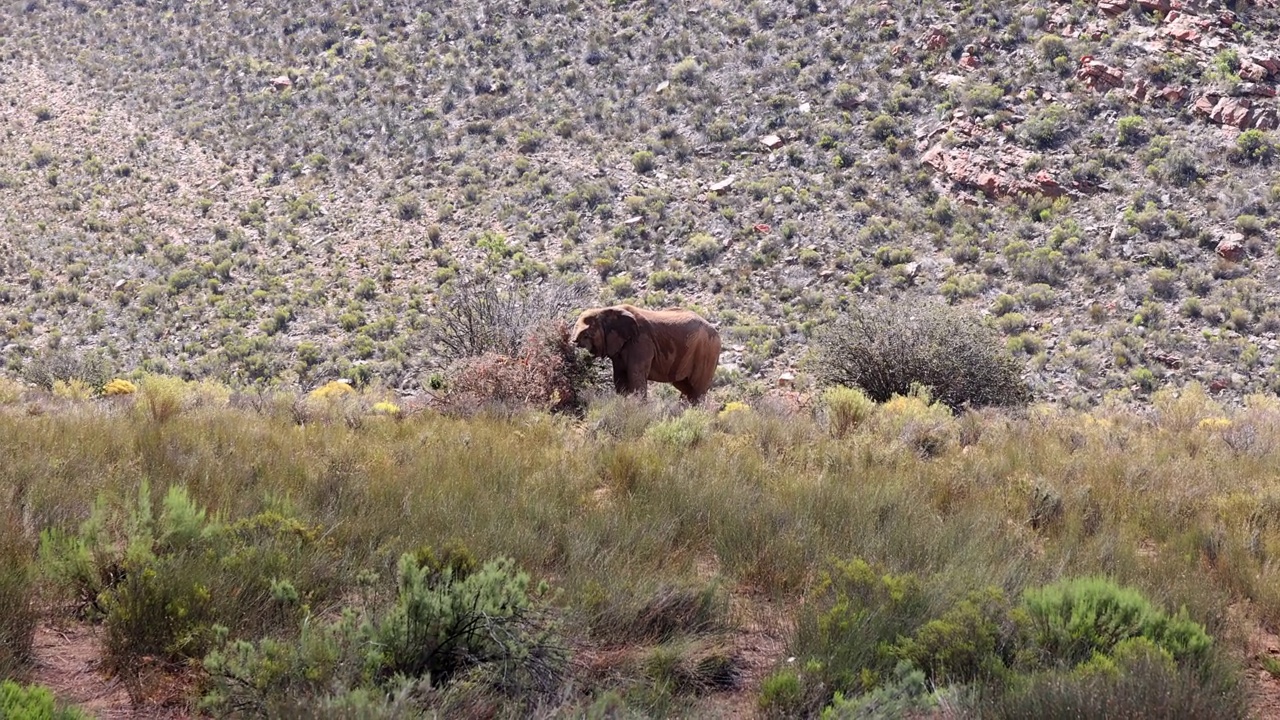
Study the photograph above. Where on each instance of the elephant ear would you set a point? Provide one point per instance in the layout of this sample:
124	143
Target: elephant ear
619	327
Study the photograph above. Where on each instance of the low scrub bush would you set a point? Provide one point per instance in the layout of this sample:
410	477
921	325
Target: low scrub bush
1072	620
906	695
476	316
854	617
683	431
486	625
847	408
160	583
33	702
885	349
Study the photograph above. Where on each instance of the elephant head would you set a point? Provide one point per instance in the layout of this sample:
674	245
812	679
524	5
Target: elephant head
604	331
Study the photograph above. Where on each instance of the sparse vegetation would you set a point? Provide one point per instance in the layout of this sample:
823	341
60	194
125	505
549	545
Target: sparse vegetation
292	284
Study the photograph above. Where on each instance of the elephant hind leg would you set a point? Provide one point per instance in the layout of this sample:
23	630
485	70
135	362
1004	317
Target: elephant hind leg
689	391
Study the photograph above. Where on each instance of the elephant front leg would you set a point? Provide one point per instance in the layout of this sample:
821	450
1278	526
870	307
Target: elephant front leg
620	384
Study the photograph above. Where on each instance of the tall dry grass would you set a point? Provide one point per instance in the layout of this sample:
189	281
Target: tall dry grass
647	533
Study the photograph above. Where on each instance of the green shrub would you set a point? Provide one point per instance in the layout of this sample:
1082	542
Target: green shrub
907	695
683	431
1071	620
642	162
1131	130
847	408
849	625
973	640
885	348
33	702
162	583
440	628
1139	684
782	695
1255	145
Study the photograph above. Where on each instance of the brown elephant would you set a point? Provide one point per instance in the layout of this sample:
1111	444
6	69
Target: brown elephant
671	346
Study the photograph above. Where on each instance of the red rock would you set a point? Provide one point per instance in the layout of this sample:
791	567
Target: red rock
1205	105
1231	248
1113	7
1263	119
1141	90
1186	28
1257	89
1270	62
1226	18
1217	385
1252	71
1231	111
1098	75
773	142
1172	94
1161	6
281	83
935	39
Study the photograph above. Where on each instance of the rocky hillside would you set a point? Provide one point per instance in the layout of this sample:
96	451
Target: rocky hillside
258	191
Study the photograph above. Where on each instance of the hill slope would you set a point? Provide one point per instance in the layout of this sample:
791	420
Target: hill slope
253	191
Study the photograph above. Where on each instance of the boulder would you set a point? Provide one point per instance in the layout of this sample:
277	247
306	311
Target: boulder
1113	7
1231	248
1098	75
935	39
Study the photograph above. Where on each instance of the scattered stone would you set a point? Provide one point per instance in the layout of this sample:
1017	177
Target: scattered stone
805	107
1169	360
662	86
1256	89
1113	7
281	83
1187	28
723	184
1237	112
994	177
1098	75
633	220
968	59
1231	248
1251	71
1160	6
1271	63
935	39
773	142
119	284
787	379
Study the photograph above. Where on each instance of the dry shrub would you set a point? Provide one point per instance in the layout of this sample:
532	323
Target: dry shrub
886	348
477	316
546	374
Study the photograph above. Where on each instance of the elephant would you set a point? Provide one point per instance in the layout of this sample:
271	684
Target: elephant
673	346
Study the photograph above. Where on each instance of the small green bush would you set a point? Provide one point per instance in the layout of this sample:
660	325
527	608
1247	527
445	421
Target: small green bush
974	640
847	408
907	695
849	625
33	702
1071	620
782	694
1131	130
441	627
886	348
684	431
